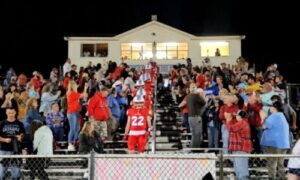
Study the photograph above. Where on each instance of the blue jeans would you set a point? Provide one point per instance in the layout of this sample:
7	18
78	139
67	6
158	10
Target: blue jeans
58	133
15	170
213	137
73	119
225	138
241	166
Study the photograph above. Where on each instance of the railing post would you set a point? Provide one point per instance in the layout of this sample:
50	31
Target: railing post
221	165
288	93
92	166
154	119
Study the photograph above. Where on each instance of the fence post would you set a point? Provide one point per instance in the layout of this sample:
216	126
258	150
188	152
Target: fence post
92	165
221	165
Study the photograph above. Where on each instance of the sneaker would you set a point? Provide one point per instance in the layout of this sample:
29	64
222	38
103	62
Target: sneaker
71	147
85	175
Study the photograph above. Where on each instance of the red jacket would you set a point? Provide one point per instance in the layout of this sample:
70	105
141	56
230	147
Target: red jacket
200	80
254	117
239	136
98	107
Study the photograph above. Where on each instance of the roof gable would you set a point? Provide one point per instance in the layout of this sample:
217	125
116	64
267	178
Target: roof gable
154	23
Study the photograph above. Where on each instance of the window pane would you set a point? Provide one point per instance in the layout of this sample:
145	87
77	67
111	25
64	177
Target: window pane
102	50
161	54
147	55
182	54
87	50
147	47
126	55
161	46
182	46
125	47
136	55
171	46
136	46
209	48
172	54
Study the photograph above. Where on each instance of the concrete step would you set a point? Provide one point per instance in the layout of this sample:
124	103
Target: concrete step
166	145
164	139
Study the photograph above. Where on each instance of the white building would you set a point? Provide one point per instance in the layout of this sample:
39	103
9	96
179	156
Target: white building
165	44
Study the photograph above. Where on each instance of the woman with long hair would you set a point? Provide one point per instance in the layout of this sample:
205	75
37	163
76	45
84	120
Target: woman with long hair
31	114
89	139
74	107
42	138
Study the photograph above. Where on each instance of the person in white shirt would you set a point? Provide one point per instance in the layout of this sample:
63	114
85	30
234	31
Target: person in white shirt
43	145
294	163
67	66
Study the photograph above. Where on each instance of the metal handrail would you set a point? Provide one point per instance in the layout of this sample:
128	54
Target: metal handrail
46	156
154	118
159	156
226	156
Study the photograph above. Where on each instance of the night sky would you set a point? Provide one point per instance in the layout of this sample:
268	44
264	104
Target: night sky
33	31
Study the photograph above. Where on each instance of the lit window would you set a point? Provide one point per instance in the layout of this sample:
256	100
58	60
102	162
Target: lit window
214	48
144	51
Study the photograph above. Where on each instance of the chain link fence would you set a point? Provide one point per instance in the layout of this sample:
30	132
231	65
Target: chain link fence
165	166
44	167
258	166
150	166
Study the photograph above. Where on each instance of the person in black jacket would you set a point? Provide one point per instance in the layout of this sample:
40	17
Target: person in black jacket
90	140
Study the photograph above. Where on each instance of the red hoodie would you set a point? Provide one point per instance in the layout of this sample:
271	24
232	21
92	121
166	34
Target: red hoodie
98	107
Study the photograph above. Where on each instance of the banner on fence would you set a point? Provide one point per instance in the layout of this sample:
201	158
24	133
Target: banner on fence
155	167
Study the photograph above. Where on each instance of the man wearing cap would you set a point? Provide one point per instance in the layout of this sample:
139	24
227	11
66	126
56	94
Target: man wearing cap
99	112
239	141
138	125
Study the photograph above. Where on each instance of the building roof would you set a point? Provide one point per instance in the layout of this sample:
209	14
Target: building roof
111	37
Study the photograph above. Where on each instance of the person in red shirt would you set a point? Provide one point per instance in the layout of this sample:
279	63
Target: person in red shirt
37	81
138	125
67	79
99	112
139	87
254	107
239	141
74	108
184	111
231	108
